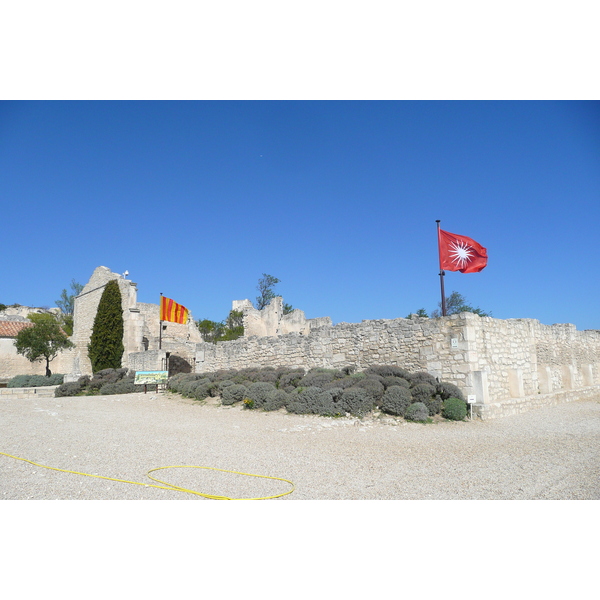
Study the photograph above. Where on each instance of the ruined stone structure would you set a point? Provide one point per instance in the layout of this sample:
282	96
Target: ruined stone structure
141	323
507	365
270	321
140	337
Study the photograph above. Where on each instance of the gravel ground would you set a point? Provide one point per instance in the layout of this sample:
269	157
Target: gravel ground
549	453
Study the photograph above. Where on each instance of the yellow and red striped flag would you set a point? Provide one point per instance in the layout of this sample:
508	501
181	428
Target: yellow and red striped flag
171	311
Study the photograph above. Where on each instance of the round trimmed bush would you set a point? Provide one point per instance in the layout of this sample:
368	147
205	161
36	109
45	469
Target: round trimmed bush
290	377
388	371
316	401
297	406
225	383
330	402
189	388
203	389
391	380
71	388
434	405
233	393
124	386
275	400
84	380
357	376
396	400
449	390
422	392
318	377
421	377
343	383
267	375
258	392
20	381
417	412
310	398
101	378
223	374
356	401
373	387
174	382
454	409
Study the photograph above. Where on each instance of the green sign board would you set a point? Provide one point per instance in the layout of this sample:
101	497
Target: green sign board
151	377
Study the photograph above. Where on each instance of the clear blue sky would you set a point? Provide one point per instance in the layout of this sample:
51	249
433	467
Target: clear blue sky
338	199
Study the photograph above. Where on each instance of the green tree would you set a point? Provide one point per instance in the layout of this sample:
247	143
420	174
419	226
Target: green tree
265	286
420	313
210	330
219	331
44	340
106	344
66	303
455	304
234	325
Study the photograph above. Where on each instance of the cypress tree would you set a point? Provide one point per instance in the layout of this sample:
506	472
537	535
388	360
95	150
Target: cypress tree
106	344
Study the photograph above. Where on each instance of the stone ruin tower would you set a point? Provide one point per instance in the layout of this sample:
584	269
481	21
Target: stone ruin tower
140	324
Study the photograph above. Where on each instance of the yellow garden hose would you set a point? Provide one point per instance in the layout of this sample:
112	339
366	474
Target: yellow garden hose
169	486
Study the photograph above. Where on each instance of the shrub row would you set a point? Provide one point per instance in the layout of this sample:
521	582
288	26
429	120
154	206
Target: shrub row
20	381
330	392
105	382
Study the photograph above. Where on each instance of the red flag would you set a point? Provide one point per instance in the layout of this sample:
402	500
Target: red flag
171	311
461	253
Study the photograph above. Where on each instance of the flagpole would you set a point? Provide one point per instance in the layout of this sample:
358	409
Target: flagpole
442	273
160	323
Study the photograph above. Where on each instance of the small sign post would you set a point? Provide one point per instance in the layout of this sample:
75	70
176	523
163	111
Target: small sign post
146	378
471	399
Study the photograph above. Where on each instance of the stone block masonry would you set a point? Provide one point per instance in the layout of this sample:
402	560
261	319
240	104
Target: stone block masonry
141	328
497	361
33	392
508	365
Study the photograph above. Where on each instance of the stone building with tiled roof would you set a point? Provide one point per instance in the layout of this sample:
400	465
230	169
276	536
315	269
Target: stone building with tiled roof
11	329
11	323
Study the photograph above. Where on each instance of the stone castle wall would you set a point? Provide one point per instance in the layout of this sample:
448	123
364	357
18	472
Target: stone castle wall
12	364
417	344
497	361
507	365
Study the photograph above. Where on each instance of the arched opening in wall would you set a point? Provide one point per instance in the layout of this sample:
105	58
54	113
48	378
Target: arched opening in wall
145	343
177	364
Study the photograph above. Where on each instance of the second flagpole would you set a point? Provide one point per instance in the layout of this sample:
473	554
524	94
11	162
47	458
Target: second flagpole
160	323
442	273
